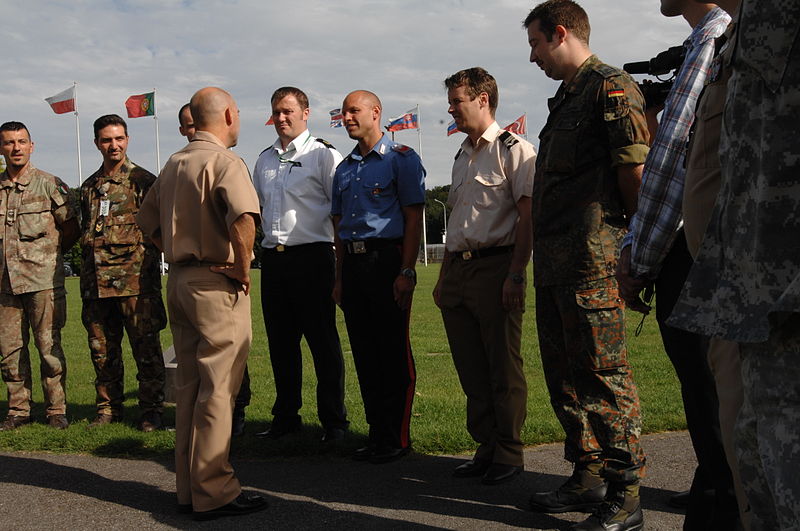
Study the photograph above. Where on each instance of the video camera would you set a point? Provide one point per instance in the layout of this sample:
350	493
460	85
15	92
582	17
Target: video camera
655	92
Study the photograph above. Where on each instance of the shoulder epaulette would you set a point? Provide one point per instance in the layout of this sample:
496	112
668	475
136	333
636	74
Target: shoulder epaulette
508	139
458	153
325	143
265	151
400	148
607	70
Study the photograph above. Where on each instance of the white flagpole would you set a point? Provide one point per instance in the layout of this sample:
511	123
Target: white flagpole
424	220
77	133
155	119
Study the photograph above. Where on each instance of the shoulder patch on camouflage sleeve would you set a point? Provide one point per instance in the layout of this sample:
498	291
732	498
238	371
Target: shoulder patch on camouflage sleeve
325	143
508	139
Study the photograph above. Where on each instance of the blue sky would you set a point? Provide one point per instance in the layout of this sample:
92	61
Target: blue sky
400	50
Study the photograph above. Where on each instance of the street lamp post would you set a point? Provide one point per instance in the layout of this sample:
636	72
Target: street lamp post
444	211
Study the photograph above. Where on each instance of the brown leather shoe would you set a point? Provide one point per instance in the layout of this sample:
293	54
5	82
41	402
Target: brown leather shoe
103	419
149	421
58	422
13	422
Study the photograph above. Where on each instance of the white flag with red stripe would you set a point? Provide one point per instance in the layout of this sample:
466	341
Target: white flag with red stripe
63	102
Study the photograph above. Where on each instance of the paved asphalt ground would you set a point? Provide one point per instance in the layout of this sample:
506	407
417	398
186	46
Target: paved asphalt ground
66	492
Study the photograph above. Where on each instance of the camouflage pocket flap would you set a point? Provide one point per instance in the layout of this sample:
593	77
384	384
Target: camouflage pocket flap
34	206
598	299
121	219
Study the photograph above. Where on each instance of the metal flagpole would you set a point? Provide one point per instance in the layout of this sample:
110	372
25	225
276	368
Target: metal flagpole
77	133
424	220
155	118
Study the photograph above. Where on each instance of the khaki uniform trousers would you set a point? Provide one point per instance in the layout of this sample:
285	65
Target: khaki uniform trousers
45	312
211	328
700	192
485	340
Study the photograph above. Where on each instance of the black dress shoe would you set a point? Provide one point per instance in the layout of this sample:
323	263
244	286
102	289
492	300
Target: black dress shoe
276	431
243	504
472	468
387	454
333	435
185	508
498	473
364	453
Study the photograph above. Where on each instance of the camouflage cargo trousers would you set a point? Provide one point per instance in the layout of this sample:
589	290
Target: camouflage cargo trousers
767	435
45	312
142	317
582	342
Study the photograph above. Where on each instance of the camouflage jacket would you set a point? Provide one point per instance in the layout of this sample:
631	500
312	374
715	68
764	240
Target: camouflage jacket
116	260
596	123
31	212
746	278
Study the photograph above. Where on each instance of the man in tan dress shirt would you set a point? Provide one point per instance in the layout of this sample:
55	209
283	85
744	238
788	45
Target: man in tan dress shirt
481	288
202	212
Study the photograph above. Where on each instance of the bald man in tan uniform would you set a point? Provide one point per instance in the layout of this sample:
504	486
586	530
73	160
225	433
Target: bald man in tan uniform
202	213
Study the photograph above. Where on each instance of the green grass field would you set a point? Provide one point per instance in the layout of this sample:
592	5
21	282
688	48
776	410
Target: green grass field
438	424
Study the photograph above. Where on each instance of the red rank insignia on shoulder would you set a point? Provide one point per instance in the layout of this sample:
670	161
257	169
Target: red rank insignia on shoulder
400	148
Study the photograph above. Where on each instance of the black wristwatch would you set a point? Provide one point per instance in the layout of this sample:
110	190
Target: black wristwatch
409	273
516	278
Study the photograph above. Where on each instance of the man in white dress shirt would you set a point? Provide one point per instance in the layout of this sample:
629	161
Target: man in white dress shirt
293	178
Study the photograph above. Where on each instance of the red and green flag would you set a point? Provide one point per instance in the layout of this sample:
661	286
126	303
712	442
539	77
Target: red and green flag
141	105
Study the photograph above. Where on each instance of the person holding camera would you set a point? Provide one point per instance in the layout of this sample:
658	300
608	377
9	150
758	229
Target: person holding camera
654	252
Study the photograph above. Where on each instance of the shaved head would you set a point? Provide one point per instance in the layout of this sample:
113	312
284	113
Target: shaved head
214	110
366	98
208	106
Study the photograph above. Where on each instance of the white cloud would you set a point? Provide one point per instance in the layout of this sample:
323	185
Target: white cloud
400	50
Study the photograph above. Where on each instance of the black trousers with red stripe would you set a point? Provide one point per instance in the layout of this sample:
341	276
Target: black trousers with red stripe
378	332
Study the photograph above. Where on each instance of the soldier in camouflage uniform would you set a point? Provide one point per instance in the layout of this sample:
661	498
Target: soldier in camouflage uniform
745	284
120	279
37	222
591	153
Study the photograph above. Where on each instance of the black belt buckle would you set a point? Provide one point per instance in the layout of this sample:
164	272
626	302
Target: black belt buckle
358	247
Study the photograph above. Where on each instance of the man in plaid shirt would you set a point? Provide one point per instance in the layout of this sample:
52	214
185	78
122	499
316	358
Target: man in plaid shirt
654	252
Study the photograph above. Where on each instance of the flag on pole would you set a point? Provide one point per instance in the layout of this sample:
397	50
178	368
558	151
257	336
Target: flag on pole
404	121
141	105
336	118
518	126
270	121
63	102
452	129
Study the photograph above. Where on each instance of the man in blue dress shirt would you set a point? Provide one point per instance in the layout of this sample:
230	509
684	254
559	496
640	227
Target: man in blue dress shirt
377	203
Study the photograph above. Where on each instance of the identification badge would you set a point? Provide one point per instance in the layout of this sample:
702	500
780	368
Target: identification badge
105	205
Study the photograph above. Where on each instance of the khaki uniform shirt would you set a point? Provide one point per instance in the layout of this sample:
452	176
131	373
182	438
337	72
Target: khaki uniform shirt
703	170
596	123
31	212
201	191
488	181
116	260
